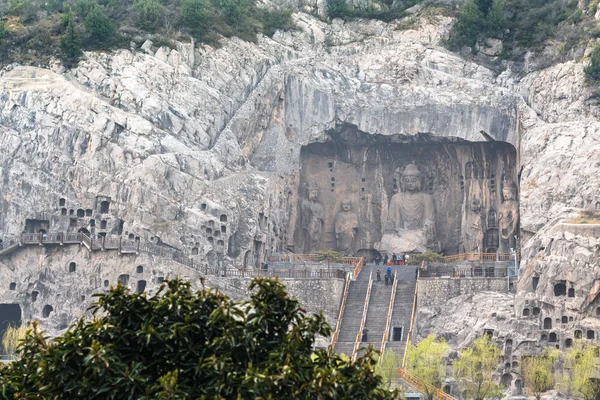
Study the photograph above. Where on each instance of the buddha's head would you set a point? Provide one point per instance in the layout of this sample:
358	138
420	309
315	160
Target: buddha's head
508	191
475	205
410	180
312	191
346	205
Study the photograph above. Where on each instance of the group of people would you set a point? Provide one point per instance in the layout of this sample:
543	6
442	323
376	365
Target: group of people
395	260
388	276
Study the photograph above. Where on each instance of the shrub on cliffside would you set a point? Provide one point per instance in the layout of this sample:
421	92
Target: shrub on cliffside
592	70
99	28
70	42
178	345
3	30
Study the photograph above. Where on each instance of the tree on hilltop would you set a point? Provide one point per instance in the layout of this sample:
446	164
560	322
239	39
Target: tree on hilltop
178	344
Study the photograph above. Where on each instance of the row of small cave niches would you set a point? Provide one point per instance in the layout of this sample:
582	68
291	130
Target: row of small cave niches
123	279
215	234
103	207
547	338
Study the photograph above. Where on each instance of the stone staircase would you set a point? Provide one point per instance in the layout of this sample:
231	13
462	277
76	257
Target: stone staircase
403	304
350	325
377	310
379	303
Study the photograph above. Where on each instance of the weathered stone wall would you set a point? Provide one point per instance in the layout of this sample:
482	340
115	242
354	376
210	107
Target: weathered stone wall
313	294
65	278
437	291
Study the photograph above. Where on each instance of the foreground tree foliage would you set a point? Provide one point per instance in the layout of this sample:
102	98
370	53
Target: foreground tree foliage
178	345
388	366
475	368
538	372
578	372
427	360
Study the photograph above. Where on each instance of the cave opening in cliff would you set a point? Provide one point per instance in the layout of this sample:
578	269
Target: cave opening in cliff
10	315
447	195
47	310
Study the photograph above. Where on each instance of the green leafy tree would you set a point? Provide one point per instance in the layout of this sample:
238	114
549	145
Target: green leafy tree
592	70
83	7
538	373
331	256
99	27
150	14
429	256
474	369
579	368
469	25
234	10
11	338
178	344
388	365
3	30
427	360
196	15
70	42
272	20
495	21
16	7
337	9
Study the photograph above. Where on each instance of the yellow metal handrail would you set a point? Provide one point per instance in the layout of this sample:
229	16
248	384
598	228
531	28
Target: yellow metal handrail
290	257
335	335
358	268
422	386
486	257
412	317
364	318
388	322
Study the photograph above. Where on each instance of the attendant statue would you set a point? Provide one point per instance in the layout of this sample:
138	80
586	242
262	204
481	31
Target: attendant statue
410	225
312	219
472	229
508	218
346	226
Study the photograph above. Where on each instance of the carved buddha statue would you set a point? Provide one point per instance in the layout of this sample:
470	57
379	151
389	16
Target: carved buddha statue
508	217
312	219
410	224
346	226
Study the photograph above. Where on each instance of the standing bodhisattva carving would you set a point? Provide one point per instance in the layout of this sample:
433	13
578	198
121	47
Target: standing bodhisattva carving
410	225
346	226
472	231
508	218
312	219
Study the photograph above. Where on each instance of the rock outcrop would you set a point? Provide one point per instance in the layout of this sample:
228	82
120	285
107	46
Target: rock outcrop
192	141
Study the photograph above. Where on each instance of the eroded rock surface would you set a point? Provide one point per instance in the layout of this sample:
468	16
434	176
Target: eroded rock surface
189	142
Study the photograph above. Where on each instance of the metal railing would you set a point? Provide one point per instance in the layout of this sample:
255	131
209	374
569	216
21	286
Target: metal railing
358	268
336	334
412	318
422	386
476	271
285	273
388	322
125	245
363	320
482	257
298	258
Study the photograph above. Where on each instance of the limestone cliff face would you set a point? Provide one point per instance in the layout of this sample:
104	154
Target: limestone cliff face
188	142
